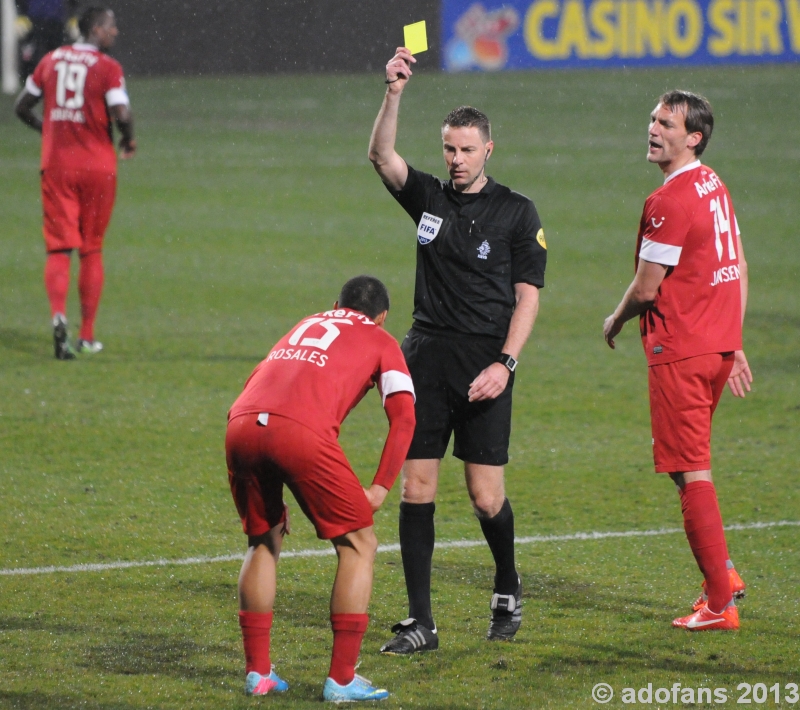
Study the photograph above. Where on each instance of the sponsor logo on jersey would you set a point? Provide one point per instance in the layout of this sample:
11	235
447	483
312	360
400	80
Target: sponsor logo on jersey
655	224
657	350
76	55
483	250
342	313
540	238
428	228
725	274
708	185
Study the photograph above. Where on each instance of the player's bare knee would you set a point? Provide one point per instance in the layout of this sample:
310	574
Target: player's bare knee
362	542
419	480
485	505
271	540
418	488
418	492
368	542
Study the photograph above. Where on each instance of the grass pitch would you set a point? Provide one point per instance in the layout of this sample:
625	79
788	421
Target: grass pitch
250	202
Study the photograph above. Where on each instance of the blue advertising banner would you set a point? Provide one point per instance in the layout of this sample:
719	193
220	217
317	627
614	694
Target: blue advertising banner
524	34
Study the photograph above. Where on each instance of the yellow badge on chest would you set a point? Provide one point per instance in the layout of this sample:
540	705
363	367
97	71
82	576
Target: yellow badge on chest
540	239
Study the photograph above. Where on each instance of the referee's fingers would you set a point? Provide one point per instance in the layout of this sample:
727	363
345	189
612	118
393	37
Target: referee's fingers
484	387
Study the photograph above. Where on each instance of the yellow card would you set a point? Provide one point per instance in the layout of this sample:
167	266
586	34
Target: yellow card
416	37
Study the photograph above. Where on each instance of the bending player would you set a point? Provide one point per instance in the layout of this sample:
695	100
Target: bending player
283	429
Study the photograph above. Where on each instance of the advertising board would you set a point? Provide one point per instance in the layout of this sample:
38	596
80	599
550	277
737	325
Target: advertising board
521	34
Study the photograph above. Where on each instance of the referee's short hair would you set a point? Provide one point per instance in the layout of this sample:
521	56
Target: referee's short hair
467	117
697	115
364	294
89	18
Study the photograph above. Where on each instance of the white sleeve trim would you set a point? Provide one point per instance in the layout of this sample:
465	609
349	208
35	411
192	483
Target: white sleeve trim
117	97
395	381
736	222
30	86
658	253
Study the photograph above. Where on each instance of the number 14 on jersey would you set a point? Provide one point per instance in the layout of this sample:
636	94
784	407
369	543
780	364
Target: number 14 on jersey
722	225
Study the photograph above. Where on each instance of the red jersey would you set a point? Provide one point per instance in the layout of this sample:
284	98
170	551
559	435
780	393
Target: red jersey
688	224
322	368
79	83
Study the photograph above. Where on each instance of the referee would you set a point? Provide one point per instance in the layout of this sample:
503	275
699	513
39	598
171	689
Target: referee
481	259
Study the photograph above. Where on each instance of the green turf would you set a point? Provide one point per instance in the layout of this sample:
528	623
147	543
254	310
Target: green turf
250	202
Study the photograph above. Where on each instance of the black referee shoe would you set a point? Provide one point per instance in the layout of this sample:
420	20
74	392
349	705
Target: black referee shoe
506	615
411	638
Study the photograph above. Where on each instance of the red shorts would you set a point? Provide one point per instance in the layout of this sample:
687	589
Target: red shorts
77	208
683	397
262	458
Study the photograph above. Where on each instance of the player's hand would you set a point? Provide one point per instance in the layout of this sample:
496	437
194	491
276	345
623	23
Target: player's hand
398	70
127	149
611	329
490	384
376	495
740	378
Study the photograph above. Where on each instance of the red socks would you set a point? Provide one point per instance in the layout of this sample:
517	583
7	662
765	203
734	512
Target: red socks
703	524
90	286
255	637
348	632
56	281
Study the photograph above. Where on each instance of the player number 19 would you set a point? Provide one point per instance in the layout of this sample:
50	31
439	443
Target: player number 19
71	77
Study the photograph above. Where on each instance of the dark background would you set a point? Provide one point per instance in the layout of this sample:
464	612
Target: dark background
248	36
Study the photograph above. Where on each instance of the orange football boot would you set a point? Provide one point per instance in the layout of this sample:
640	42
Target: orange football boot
737	589
707	620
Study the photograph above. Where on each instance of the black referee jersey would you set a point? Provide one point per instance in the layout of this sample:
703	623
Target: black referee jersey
471	250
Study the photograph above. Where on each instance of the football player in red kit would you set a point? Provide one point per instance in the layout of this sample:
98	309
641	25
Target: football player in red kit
83	90
283	430
690	293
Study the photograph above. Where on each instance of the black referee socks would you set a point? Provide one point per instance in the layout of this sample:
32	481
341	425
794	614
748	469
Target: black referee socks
416	547
499	533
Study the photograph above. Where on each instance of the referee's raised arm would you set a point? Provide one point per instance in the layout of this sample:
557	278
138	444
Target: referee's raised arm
390	166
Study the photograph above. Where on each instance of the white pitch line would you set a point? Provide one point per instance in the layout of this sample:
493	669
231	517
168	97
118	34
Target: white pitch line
453	544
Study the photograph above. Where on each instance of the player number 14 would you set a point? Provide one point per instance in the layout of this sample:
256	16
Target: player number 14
71	77
722	225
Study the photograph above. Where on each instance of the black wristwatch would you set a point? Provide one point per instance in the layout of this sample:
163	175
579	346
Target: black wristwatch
508	361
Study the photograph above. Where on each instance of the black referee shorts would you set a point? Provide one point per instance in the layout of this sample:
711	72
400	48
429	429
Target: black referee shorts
442	368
